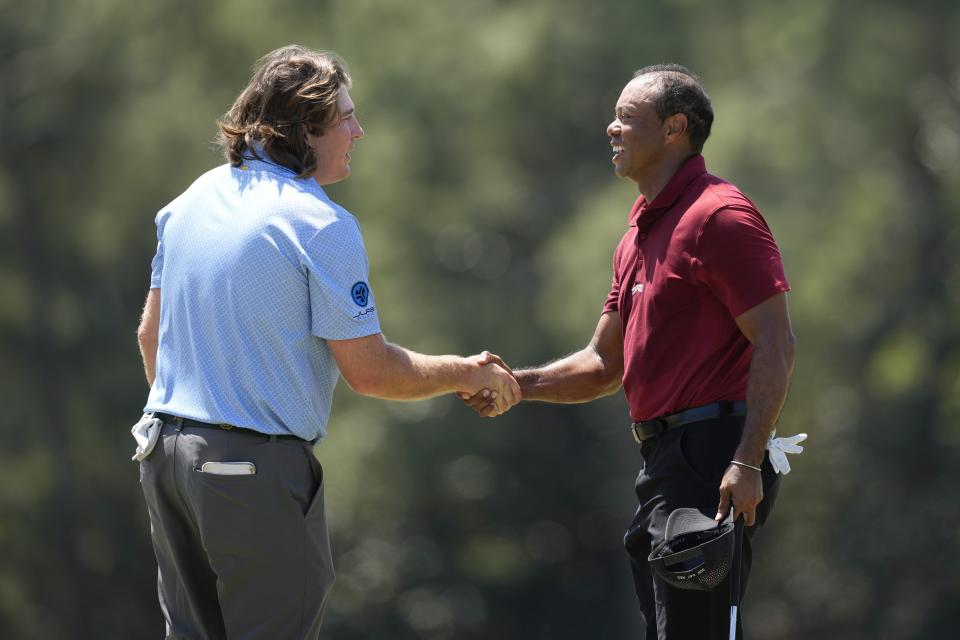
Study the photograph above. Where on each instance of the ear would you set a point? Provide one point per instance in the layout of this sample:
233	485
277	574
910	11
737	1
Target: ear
676	126
311	138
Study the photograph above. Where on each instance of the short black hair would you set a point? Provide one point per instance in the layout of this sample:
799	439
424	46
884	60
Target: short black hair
680	91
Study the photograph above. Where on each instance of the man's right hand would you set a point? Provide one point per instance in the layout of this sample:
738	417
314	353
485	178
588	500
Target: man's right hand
489	401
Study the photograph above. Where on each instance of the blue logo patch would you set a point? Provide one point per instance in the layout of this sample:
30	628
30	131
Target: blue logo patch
360	293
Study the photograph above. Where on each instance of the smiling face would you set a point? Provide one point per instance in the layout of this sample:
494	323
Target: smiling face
638	137
333	145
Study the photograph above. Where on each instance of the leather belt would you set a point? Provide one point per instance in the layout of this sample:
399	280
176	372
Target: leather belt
189	422
646	429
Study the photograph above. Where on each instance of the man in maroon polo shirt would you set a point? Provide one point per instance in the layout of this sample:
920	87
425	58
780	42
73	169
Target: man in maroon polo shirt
696	330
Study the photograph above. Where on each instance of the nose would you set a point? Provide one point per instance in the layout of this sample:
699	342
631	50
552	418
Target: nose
613	129
358	131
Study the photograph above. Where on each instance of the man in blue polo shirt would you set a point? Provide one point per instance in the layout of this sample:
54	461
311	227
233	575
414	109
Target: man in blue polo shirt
259	300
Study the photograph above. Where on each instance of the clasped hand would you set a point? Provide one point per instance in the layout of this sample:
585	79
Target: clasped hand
496	390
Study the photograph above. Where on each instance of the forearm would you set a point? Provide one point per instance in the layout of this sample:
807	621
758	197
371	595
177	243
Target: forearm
579	377
401	374
148	334
767	385
148	351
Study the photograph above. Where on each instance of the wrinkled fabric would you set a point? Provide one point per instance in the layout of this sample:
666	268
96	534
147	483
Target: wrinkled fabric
146	432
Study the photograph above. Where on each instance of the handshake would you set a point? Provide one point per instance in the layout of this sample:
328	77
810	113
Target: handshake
494	389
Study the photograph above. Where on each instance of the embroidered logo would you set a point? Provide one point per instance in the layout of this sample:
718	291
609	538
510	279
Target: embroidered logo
637	288
360	293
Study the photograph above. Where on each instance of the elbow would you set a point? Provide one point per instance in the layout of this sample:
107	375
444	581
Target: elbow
775	353
609	380
790	351
356	383
363	363
780	351
364	384
147	339
612	373
614	387
612	384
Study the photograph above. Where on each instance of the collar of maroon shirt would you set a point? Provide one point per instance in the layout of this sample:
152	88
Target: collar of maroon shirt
643	215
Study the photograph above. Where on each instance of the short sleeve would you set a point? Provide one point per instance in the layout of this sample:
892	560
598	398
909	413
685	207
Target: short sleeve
613	298
738	259
342	305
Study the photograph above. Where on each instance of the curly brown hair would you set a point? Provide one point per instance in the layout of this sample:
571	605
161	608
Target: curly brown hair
293	90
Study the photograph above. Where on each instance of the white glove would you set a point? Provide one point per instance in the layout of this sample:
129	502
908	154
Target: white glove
780	447
146	432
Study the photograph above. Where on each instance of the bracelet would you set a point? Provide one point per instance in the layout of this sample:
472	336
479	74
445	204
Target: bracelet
744	464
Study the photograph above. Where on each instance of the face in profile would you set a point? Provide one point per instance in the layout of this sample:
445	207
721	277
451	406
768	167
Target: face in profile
637	135
333	145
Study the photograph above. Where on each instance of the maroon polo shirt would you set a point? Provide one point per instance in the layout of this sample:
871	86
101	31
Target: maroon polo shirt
690	262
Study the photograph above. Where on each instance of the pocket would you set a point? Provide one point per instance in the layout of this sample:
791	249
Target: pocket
706	450
225	477
315	504
228	468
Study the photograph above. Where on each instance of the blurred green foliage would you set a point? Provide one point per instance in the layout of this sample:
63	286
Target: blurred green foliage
490	215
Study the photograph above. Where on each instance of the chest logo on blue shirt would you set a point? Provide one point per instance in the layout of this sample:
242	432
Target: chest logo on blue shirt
360	293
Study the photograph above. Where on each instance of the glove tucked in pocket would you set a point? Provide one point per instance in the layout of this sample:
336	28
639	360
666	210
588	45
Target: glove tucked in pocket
146	433
780	447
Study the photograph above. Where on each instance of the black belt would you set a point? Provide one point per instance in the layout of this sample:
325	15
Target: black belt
188	422
646	429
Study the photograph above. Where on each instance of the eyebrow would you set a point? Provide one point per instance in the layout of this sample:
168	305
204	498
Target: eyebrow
632	107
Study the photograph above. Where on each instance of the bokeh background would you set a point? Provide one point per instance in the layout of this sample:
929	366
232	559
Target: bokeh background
490	213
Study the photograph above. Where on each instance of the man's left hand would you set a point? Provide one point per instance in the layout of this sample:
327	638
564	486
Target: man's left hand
743	487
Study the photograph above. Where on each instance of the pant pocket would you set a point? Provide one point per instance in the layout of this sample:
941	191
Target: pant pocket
316	498
706	450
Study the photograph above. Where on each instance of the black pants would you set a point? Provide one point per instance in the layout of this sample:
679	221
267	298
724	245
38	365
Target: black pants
683	468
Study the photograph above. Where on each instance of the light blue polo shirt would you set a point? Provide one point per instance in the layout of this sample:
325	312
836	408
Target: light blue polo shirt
256	269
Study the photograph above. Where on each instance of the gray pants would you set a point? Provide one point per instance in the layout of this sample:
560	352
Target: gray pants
244	557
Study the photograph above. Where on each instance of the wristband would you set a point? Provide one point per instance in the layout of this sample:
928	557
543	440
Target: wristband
744	464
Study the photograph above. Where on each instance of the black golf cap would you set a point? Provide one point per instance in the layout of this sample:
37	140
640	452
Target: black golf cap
696	552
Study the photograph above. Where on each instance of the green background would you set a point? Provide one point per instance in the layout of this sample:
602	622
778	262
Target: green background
490	213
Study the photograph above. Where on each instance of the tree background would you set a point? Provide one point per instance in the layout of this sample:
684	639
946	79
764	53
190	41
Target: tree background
490	213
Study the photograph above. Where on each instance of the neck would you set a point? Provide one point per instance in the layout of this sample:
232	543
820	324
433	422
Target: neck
653	182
